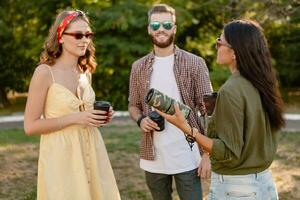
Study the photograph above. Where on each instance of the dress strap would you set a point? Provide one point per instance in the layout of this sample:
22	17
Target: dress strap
89	77
51	73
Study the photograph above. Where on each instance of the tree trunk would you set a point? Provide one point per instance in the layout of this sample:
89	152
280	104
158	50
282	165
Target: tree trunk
3	98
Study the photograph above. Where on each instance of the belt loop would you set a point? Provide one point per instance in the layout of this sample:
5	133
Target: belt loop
221	178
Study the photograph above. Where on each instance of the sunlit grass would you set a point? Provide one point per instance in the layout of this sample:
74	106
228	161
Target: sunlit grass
19	153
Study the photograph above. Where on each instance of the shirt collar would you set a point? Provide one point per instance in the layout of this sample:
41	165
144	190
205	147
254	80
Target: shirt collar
152	54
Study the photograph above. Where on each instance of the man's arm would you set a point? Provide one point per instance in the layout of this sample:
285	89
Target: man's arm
135	103
135	113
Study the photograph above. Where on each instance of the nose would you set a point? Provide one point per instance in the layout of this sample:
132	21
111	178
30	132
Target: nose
85	38
161	27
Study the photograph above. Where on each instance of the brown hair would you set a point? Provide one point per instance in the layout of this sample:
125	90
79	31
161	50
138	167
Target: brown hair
254	62
53	49
162	8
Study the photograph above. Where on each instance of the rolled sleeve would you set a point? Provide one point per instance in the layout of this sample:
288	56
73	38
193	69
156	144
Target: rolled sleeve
219	152
134	95
229	122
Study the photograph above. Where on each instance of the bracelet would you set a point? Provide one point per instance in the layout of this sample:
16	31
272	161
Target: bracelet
192	133
139	120
190	139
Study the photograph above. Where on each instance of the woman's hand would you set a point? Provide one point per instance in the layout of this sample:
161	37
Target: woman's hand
95	118
110	115
177	119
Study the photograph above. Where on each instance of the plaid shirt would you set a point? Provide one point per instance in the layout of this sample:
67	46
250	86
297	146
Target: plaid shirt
193	81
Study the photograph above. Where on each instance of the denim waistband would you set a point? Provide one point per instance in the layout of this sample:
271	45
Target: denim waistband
258	175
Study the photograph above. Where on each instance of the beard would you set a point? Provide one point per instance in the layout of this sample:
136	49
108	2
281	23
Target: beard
165	44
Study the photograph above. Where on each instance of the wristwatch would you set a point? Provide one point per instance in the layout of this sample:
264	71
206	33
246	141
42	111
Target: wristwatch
139	120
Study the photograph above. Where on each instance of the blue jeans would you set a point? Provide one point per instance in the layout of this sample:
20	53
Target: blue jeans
188	185
259	186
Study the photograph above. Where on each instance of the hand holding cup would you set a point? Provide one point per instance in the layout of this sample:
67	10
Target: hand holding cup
104	106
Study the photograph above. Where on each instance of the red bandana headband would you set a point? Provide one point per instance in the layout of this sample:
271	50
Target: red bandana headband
63	25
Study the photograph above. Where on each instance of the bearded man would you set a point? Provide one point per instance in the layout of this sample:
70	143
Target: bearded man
166	155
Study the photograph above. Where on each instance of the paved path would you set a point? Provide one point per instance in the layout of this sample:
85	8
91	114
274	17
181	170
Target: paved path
16	121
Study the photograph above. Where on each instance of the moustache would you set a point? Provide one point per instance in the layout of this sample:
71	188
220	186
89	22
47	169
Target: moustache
161	33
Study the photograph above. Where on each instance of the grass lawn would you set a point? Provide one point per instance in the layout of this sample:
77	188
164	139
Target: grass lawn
19	154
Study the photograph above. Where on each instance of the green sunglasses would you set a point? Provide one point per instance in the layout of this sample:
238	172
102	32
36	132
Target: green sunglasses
156	25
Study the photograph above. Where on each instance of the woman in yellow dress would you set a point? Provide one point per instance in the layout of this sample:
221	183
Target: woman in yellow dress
73	161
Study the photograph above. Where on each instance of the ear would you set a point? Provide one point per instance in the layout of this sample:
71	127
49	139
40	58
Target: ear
149	30
175	29
233	56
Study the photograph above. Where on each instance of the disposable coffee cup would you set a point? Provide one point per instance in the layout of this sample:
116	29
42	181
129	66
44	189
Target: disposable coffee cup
158	119
209	102
102	105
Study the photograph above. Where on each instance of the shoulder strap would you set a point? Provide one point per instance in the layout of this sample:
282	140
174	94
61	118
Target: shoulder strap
89	77
51	73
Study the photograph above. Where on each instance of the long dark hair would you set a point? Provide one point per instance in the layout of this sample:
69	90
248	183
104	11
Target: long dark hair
254	63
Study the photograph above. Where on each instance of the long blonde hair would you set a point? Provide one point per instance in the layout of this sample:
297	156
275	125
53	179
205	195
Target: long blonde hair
53	49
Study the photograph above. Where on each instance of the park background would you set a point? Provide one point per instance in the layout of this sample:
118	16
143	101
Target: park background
121	38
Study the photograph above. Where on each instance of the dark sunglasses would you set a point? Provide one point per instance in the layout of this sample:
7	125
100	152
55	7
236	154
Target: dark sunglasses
220	43
156	25
79	36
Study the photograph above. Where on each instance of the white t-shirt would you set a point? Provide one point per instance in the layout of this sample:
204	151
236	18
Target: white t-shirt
173	154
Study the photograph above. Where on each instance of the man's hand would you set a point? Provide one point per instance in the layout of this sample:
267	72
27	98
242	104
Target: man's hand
204	170
147	125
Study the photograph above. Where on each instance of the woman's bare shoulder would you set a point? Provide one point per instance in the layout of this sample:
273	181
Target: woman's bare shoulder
42	69
42	73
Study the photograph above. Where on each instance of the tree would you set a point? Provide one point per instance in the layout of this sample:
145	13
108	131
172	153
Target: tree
23	27
121	37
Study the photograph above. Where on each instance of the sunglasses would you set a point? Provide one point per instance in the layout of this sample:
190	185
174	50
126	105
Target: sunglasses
79	36
80	13
220	43
156	25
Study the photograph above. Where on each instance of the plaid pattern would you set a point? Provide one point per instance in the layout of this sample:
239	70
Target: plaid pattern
193	81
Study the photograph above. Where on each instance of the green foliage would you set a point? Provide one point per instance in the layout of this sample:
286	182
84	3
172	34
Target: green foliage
218	76
285	44
23	29
121	37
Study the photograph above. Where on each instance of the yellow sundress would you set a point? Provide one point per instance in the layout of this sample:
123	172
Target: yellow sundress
73	162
